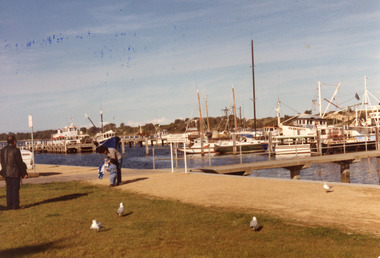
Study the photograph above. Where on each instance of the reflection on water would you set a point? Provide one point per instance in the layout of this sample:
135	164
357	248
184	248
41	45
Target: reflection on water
366	171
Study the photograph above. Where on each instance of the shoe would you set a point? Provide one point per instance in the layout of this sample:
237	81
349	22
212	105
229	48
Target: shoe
112	185
18	208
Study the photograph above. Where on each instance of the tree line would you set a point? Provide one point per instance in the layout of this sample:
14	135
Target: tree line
178	126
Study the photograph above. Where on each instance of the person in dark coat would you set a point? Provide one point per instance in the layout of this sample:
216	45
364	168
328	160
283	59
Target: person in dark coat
12	169
112	153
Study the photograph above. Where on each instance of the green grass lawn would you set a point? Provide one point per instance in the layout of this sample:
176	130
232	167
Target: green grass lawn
57	217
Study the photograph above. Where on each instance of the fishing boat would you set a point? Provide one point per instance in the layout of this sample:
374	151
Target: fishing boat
108	138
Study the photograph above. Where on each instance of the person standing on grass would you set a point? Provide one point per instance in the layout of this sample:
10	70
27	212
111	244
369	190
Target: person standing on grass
112	168
12	169
112	153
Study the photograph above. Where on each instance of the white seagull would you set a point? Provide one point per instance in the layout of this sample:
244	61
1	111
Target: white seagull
96	225
120	211
327	187
254	224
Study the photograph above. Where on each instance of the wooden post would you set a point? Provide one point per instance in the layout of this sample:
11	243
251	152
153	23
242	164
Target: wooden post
154	161
319	143
146	146
234	143
295	173
270	143
122	147
344	137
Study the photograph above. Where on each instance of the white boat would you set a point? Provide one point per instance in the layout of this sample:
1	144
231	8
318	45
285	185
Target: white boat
27	157
74	139
195	147
285	145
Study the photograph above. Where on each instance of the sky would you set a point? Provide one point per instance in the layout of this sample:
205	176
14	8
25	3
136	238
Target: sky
144	61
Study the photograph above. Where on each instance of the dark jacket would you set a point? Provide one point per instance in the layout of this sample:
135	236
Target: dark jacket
11	162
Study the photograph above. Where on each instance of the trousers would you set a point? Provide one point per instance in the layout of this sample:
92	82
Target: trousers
118	179
13	192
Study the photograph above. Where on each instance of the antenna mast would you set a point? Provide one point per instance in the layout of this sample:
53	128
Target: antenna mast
253	82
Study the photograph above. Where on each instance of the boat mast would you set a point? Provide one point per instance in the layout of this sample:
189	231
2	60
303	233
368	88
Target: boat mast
233	94
365	99
320	98
208	122
253	82
200	121
101	121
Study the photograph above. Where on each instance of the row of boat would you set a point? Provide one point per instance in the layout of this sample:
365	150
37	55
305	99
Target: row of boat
305	135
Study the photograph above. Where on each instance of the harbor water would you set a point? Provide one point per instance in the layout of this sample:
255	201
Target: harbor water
367	171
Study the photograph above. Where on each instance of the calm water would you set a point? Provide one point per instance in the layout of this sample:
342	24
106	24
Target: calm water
366	172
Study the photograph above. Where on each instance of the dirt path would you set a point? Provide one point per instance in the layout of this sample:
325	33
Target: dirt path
353	208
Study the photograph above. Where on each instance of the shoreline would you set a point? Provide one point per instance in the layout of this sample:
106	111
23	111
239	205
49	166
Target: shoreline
353	208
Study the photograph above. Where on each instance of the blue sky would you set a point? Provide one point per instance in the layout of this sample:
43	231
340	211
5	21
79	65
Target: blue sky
143	61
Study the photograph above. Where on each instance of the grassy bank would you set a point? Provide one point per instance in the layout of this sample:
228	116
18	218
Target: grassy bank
57	217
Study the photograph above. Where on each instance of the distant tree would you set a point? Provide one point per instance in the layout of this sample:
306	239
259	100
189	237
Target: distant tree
92	130
110	126
308	112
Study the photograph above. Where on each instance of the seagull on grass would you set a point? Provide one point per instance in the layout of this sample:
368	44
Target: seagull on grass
96	225
327	187
120	211
254	224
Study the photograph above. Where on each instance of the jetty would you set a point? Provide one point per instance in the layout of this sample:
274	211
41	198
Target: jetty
294	165
50	146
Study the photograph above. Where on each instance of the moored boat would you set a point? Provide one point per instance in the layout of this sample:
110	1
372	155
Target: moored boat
246	145
195	147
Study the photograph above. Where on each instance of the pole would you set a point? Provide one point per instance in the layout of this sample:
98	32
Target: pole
171	156
253	83
201	122
235	119
208	122
184	152
320	98
31	131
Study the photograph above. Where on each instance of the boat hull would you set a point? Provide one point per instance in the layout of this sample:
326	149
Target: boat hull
246	148
112	142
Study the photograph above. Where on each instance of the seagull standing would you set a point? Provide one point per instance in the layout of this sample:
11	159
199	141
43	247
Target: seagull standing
327	187
120	211
96	225
254	224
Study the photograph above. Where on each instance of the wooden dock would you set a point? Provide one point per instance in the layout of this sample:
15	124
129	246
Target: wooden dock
294	165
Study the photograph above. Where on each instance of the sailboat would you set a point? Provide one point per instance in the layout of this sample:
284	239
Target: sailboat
240	145
199	144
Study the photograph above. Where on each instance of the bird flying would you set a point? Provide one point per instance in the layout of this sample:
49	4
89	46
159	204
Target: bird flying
120	211
96	225
254	224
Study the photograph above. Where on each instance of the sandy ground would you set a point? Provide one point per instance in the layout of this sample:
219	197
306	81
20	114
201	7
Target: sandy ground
350	207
